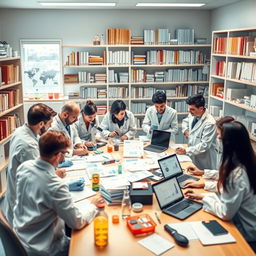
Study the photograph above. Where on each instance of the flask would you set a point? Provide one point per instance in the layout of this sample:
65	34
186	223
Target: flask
95	182
126	204
101	227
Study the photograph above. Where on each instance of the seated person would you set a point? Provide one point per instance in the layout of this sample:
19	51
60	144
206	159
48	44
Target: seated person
87	124
44	202
160	116
236	197
118	122
64	122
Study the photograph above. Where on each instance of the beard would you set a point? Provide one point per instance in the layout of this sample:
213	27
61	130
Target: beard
42	130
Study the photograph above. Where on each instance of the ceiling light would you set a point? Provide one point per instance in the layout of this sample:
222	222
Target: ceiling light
79	4
170	4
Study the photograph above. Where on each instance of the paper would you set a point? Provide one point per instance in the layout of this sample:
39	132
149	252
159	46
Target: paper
118	181
137	164
80	195
135	176
103	171
156	244
174	146
83	205
207	238
144	138
133	148
184	158
184	229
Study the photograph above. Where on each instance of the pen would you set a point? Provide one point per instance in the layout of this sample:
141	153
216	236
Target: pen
158	219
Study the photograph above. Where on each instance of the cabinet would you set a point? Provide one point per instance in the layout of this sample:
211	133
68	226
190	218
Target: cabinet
11	109
233	76
134	72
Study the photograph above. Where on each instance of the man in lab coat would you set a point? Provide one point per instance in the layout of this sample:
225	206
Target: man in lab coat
40	212
65	122
200	130
160	116
23	147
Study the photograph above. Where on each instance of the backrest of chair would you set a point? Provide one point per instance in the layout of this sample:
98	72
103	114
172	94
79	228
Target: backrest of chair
10	241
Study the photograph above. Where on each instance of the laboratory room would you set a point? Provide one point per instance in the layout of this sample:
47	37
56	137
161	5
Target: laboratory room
128	127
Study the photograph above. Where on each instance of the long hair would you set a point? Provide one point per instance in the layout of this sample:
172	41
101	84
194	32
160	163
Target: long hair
237	151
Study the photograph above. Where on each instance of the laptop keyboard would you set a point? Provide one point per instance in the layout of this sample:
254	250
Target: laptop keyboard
185	177
180	206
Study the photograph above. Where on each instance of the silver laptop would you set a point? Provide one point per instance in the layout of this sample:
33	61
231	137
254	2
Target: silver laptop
171	200
159	141
170	167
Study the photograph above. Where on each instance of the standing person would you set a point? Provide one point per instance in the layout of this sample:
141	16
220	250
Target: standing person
119	122
64	122
87	123
40	212
160	116
236	199
200	130
23	147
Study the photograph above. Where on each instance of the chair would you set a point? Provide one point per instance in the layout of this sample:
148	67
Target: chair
11	243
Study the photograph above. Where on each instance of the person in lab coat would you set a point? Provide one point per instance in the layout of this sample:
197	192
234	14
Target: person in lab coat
160	116
236	185
87	124
44	202
23	147
200	130
118	122
64	122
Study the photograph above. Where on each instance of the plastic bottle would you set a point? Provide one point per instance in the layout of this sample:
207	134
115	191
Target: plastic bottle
126	204
101	227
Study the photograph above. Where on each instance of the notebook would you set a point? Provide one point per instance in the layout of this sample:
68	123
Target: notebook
170	167
159	141
171	200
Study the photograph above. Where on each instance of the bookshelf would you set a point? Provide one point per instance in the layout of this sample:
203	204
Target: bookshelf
11	109
134	72
233	76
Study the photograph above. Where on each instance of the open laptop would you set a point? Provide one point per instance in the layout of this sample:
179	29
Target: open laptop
171	200
170	167
159	141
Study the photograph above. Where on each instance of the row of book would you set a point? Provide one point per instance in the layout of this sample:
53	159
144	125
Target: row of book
138	122
85	77
8	124
119	36
118	58
219	45
244	71
218	90
180	106
242	45
118	92
9	74
92	92
120	77
216	110
139	107
220	67
9	98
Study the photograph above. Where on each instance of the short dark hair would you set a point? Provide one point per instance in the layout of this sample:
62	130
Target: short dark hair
223	120
159	97
52	142
197	100
117	106
89	108
40	112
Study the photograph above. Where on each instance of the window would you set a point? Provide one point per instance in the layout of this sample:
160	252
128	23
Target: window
41	65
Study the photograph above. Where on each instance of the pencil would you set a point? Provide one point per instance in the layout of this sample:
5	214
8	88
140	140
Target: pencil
158	219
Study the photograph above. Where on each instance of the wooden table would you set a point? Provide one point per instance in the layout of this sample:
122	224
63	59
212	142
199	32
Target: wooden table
122	242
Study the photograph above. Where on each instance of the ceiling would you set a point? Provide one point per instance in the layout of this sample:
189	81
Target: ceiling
120	4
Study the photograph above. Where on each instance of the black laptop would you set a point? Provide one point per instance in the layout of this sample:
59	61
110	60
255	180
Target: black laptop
170	167
159	141
171	200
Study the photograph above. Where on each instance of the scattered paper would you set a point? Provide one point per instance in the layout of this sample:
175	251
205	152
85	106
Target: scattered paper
156	244
80	195
184	158
133	148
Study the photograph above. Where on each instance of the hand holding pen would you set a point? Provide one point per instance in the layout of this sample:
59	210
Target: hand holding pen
113	134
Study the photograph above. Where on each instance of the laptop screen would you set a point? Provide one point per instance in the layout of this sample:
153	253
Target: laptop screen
170	166
167	192
160	138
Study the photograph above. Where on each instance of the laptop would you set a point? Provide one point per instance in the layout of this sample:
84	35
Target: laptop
170	167
171	200
159	141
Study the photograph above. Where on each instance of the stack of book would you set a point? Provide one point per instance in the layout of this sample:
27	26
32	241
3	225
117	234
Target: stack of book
101	109
100	78
119	36
137	40
218	89
139	59
96	60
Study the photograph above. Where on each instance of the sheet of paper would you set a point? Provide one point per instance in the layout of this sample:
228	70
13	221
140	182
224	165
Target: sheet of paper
184	228
174	146
103	171
184	158
83	205
133	148
135	176
114	182
156	244
80	195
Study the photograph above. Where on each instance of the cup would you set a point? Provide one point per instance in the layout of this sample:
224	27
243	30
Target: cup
116	147
50	96
56	95
109	148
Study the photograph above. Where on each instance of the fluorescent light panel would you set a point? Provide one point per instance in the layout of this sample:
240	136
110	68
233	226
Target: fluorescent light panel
170	4
80	4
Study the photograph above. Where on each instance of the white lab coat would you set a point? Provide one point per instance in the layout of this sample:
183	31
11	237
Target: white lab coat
128	128
84	133
169	121
57	125
238	204
42	207
201	140
23	147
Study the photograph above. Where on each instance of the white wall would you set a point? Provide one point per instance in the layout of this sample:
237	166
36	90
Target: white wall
238	15
80	26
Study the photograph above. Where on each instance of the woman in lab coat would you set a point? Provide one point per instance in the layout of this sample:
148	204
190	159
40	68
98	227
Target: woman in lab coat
119	122
236	185
87	123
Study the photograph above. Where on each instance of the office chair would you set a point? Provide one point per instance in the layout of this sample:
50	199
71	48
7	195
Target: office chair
11	243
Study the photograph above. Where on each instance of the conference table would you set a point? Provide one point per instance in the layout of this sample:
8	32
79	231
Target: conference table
123	243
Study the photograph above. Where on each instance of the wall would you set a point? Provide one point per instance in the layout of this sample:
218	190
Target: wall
238	15
80	26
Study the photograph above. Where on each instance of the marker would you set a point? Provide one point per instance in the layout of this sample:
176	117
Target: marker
109	161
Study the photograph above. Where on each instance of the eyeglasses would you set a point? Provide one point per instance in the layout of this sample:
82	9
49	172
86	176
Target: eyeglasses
64	153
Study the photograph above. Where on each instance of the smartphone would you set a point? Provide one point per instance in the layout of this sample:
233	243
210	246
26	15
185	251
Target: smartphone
214	227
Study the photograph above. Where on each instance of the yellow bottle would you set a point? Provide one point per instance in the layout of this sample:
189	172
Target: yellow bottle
101	227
